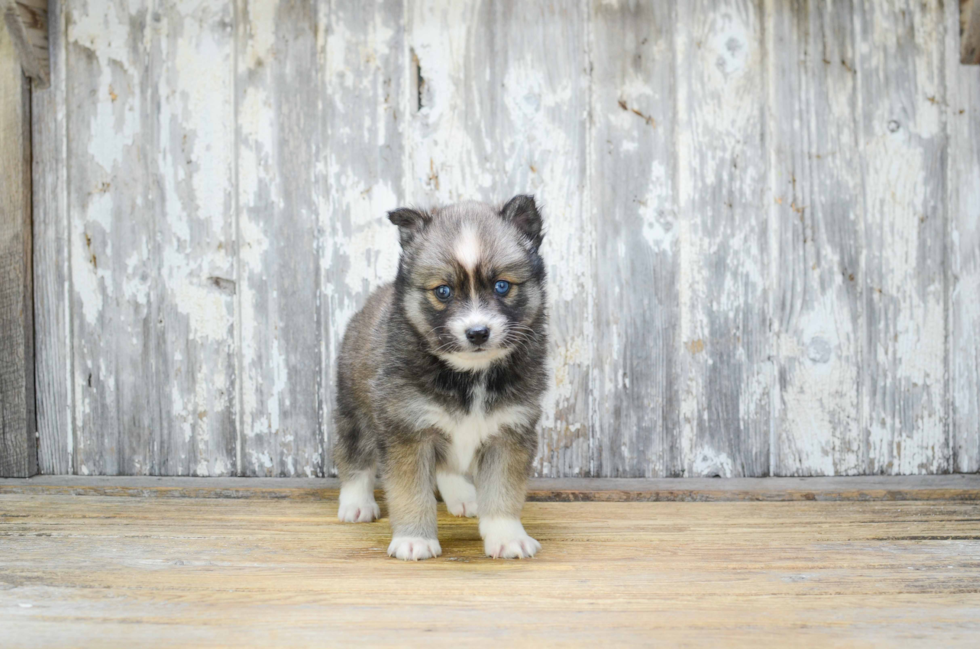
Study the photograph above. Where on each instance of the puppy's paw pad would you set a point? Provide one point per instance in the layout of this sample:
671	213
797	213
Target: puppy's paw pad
462	508
414	548
363	511
517	547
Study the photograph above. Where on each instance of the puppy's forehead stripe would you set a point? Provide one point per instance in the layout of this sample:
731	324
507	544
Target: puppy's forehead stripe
468	253
468	249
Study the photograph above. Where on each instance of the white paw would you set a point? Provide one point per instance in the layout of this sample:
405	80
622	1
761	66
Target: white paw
414	548
458	494
505	538
357	504
359	512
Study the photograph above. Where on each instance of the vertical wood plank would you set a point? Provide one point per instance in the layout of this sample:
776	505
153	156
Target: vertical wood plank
363	92
193	192
504	110
634	208
962	109
18	447
815	207
901	85
278	131
725	372
52	272
97	56
150	170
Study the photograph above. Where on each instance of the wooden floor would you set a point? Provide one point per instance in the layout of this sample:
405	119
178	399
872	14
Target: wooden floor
98	571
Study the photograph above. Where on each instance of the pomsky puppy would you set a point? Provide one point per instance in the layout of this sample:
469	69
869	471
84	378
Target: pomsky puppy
440	378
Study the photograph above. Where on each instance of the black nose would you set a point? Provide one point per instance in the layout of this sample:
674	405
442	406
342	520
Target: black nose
477	335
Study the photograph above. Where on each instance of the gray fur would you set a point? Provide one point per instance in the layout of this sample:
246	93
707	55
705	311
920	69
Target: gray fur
408	380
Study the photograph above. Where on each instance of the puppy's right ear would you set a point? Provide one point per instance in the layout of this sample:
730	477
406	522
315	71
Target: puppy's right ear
410	222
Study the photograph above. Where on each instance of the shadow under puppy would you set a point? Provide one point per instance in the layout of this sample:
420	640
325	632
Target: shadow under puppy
440	378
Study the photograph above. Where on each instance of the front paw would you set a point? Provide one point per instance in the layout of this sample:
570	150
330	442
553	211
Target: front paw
521	547
506	539
414	548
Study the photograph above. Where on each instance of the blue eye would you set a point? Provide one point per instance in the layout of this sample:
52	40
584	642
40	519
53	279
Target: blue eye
443	292
502	287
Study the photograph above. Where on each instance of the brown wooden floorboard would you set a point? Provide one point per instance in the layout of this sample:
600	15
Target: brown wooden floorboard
102	572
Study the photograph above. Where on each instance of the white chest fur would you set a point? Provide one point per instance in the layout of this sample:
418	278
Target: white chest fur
469	431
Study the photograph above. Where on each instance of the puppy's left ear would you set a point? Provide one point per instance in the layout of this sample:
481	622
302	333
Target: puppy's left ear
522	213
410	222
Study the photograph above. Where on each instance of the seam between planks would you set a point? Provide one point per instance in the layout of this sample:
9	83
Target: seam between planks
236	202
70	279
586	200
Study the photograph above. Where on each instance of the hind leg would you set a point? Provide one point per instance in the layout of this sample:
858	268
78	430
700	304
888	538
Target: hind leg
457	492
357	503
357	466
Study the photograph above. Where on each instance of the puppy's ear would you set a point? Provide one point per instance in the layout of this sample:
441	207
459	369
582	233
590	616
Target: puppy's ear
522	213
410	222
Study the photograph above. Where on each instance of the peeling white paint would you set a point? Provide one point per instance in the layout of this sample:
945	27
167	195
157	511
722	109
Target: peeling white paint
155	239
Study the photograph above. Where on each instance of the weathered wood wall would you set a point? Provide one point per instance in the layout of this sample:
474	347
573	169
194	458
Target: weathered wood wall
763	234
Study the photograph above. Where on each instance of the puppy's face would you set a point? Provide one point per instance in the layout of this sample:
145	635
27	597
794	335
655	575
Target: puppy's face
472	280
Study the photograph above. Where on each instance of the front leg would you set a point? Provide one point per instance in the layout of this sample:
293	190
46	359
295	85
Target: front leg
502	471
408	466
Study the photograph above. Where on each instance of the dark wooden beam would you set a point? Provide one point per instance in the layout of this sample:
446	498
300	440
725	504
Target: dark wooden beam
970	32
27	24
958	487
18	447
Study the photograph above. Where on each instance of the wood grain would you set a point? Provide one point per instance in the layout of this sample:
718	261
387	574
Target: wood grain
366	105
195	234
150	162
962	116
277	149
725	371
52	269
816	273
901	139
130	571
634	207
18	448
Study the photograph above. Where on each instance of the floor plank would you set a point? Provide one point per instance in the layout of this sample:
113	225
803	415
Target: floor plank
103	571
